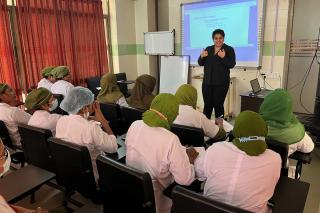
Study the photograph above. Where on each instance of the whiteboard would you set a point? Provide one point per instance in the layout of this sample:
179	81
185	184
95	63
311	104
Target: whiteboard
174	71
159	43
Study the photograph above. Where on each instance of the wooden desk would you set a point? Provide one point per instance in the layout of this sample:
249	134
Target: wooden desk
21	183
252	103
290	195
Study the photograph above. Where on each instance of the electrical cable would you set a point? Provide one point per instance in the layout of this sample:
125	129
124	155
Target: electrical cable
307	74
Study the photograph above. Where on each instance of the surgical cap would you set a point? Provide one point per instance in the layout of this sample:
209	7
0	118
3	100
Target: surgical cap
60	72
76	99
38	97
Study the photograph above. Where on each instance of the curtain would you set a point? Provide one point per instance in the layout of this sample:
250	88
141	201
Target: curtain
8	70
62	32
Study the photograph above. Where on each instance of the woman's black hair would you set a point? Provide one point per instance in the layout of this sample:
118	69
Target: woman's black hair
218	31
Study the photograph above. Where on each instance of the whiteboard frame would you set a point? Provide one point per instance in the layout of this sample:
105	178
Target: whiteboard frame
261	34
188	80
159	32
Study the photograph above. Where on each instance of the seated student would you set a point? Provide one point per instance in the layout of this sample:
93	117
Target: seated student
152	148
76	127
283	126
62	86
110	91
243	172
5	161
42	102
47	80
141	94
189	116
10	114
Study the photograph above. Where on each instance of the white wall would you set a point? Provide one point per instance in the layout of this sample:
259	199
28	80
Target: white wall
243	77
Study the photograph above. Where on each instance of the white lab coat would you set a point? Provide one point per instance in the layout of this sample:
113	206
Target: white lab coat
61	87
12	116
159	152
45	83
306	145
4	206
235	178
45	120
190	117
76	129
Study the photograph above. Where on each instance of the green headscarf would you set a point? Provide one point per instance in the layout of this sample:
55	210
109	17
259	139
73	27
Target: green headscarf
277	111
3	87
46	72
60	72
248	124
163	111
37	97
187	95
141	94
110	91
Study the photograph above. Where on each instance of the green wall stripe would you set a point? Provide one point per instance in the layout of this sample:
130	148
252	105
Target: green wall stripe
138	49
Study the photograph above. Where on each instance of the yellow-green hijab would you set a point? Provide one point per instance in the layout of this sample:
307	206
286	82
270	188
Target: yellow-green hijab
248	126
110	91
277	111
163	111
141	94
187	95
46	72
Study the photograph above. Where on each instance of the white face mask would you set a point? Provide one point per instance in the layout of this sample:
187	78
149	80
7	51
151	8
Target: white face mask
6	165
86	115
54	105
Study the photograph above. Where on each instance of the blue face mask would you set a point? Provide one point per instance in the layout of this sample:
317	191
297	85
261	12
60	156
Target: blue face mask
54	105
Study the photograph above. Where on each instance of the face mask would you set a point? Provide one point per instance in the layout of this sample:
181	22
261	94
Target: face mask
86	115
54	105
6	165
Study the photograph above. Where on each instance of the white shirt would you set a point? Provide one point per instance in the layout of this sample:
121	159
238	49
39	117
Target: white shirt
76	129
61	87
193	118
4	206
159	152
235	178
122	102
45	120
12	116
306	145
45	83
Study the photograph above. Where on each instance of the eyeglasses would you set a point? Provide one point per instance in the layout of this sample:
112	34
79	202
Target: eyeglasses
4	156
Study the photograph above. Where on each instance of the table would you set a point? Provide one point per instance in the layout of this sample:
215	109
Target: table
92	208
21	183
121	152
253	102
290	195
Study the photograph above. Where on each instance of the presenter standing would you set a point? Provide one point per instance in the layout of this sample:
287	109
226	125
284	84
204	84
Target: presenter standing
217	60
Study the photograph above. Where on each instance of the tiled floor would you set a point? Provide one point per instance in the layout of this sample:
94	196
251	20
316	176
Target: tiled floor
50	198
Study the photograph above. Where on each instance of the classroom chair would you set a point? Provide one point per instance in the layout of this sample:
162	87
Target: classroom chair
187	135
124	188
92	84
282	150
130	115
186	201
112	113
74	170
35	146
17	156
123	87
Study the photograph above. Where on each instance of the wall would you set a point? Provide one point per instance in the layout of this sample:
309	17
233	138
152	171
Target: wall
305	27
123	37
243	77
